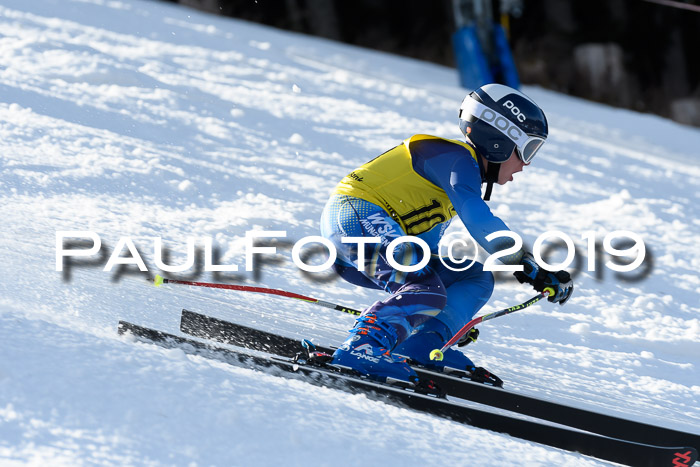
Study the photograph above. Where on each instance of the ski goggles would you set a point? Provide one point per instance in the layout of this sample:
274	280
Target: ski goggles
526	145
527	151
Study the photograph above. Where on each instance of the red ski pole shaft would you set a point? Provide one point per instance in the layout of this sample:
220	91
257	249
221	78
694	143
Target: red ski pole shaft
437	353
158	280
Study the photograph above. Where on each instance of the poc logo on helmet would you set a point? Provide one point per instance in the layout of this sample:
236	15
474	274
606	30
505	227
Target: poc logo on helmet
516	111
502	123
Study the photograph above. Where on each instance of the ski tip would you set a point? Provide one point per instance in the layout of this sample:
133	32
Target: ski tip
158	280
436	355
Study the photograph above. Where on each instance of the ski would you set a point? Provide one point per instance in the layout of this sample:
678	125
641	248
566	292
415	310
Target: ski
215	329
602	447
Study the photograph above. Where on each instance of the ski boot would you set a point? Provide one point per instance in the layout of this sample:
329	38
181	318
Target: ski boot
431	336
368	352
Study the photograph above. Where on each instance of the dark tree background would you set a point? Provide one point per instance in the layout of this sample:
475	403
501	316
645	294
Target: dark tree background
629	53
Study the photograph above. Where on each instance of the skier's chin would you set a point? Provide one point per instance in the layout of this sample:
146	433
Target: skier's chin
503	182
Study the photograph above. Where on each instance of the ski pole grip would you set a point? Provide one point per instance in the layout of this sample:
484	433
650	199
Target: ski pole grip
548	292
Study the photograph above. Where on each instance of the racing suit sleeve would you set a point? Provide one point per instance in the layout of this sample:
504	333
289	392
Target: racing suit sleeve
458	174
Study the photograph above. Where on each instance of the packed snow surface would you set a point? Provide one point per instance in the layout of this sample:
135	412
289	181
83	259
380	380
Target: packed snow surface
144	119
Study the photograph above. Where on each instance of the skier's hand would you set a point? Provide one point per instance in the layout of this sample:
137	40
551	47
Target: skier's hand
540	279
561	283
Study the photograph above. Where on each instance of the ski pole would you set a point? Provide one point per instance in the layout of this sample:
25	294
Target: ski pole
159	280
437	353
434	355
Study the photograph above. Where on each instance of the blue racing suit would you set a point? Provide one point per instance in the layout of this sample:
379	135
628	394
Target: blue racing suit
415	189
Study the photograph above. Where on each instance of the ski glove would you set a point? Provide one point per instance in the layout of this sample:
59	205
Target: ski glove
540	279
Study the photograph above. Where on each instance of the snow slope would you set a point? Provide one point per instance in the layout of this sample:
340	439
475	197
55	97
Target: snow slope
143	119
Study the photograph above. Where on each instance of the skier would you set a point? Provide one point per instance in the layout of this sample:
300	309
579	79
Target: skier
416	189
